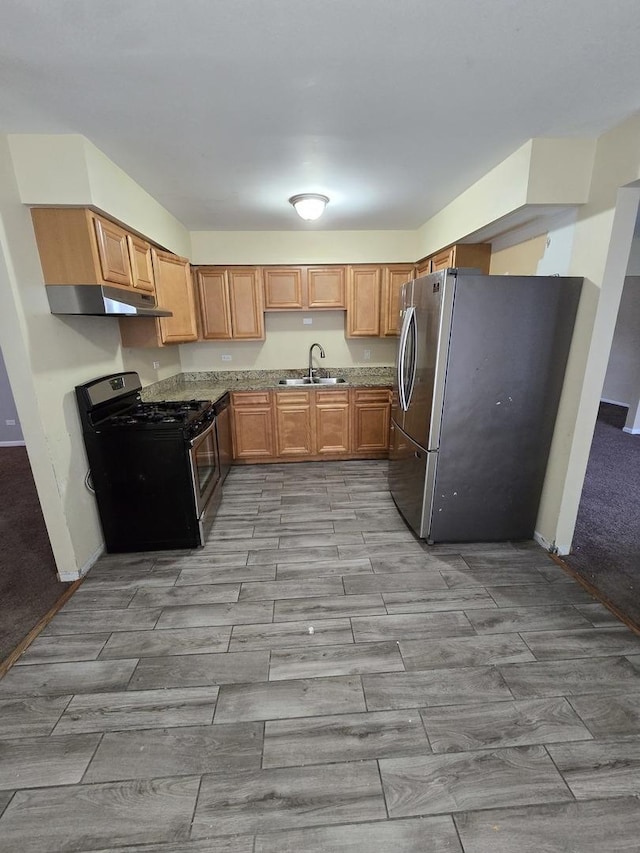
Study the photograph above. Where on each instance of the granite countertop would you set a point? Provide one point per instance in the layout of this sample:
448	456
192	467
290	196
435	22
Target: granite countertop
211	385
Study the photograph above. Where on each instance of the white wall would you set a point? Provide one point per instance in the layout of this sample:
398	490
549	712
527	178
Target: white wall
9	433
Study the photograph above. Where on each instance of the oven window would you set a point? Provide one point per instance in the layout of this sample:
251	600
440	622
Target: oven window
205	463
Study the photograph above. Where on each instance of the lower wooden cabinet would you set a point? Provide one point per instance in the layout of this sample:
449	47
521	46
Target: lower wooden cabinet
253	433
310	424
332	422
294	424
371	419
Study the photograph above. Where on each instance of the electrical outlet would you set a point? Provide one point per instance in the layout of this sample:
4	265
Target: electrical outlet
155	364
10	422
225	357
307	321
367	355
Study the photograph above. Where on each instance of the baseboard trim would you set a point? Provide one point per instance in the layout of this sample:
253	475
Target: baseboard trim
12	444
631	431
68	577
548	546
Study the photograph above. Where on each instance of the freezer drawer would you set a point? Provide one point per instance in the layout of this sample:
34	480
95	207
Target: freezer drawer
407	476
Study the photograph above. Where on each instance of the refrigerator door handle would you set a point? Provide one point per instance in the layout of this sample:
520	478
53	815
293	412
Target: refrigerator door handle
402	357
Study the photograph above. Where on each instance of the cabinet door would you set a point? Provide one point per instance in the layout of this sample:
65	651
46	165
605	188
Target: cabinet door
423	267
475	255
283	288
215	309
326	287
247	302
293	424
253	436
332	422
175	293
141	263
371	418
363	302
442	260
113	252
394	277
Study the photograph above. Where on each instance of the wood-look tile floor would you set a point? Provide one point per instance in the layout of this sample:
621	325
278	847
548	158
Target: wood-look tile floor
316	680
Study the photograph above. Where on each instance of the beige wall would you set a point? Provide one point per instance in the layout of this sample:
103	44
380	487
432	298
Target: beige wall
303	247
542	172
67	169
287	346
46	357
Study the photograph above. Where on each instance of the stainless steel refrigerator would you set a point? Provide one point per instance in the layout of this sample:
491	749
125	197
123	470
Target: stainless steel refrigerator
479	372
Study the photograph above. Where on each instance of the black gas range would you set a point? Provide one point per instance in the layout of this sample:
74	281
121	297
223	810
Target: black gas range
155	467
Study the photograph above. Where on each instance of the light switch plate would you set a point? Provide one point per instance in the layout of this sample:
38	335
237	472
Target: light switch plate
225	357
307	321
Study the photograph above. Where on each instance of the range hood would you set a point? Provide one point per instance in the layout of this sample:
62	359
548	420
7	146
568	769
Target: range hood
95	300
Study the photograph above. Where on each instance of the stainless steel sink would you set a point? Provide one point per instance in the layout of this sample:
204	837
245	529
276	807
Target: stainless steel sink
328	380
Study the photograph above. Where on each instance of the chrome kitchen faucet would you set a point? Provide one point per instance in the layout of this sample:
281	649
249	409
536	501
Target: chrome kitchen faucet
311	367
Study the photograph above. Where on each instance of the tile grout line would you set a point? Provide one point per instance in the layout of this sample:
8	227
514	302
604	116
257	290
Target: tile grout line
561	774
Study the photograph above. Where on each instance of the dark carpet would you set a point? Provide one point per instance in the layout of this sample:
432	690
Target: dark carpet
606	543
29	586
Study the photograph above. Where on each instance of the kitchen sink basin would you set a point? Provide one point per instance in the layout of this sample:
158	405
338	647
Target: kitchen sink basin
328	380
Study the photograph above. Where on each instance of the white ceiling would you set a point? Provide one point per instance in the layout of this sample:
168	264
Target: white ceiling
222	109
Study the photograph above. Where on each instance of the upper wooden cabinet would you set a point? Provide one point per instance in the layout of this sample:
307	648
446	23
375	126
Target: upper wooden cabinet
363	301
77	246
113	251
282	288
423	267
290	288
373	299
326	287
231	303
393	277
475	255
174	290
141	264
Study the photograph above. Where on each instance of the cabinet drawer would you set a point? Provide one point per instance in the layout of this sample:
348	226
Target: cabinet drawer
251	398
331	397
293	398
372	395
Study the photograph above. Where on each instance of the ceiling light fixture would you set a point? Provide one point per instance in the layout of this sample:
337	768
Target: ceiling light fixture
309	206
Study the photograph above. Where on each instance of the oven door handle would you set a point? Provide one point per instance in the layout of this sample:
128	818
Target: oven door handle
201	436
